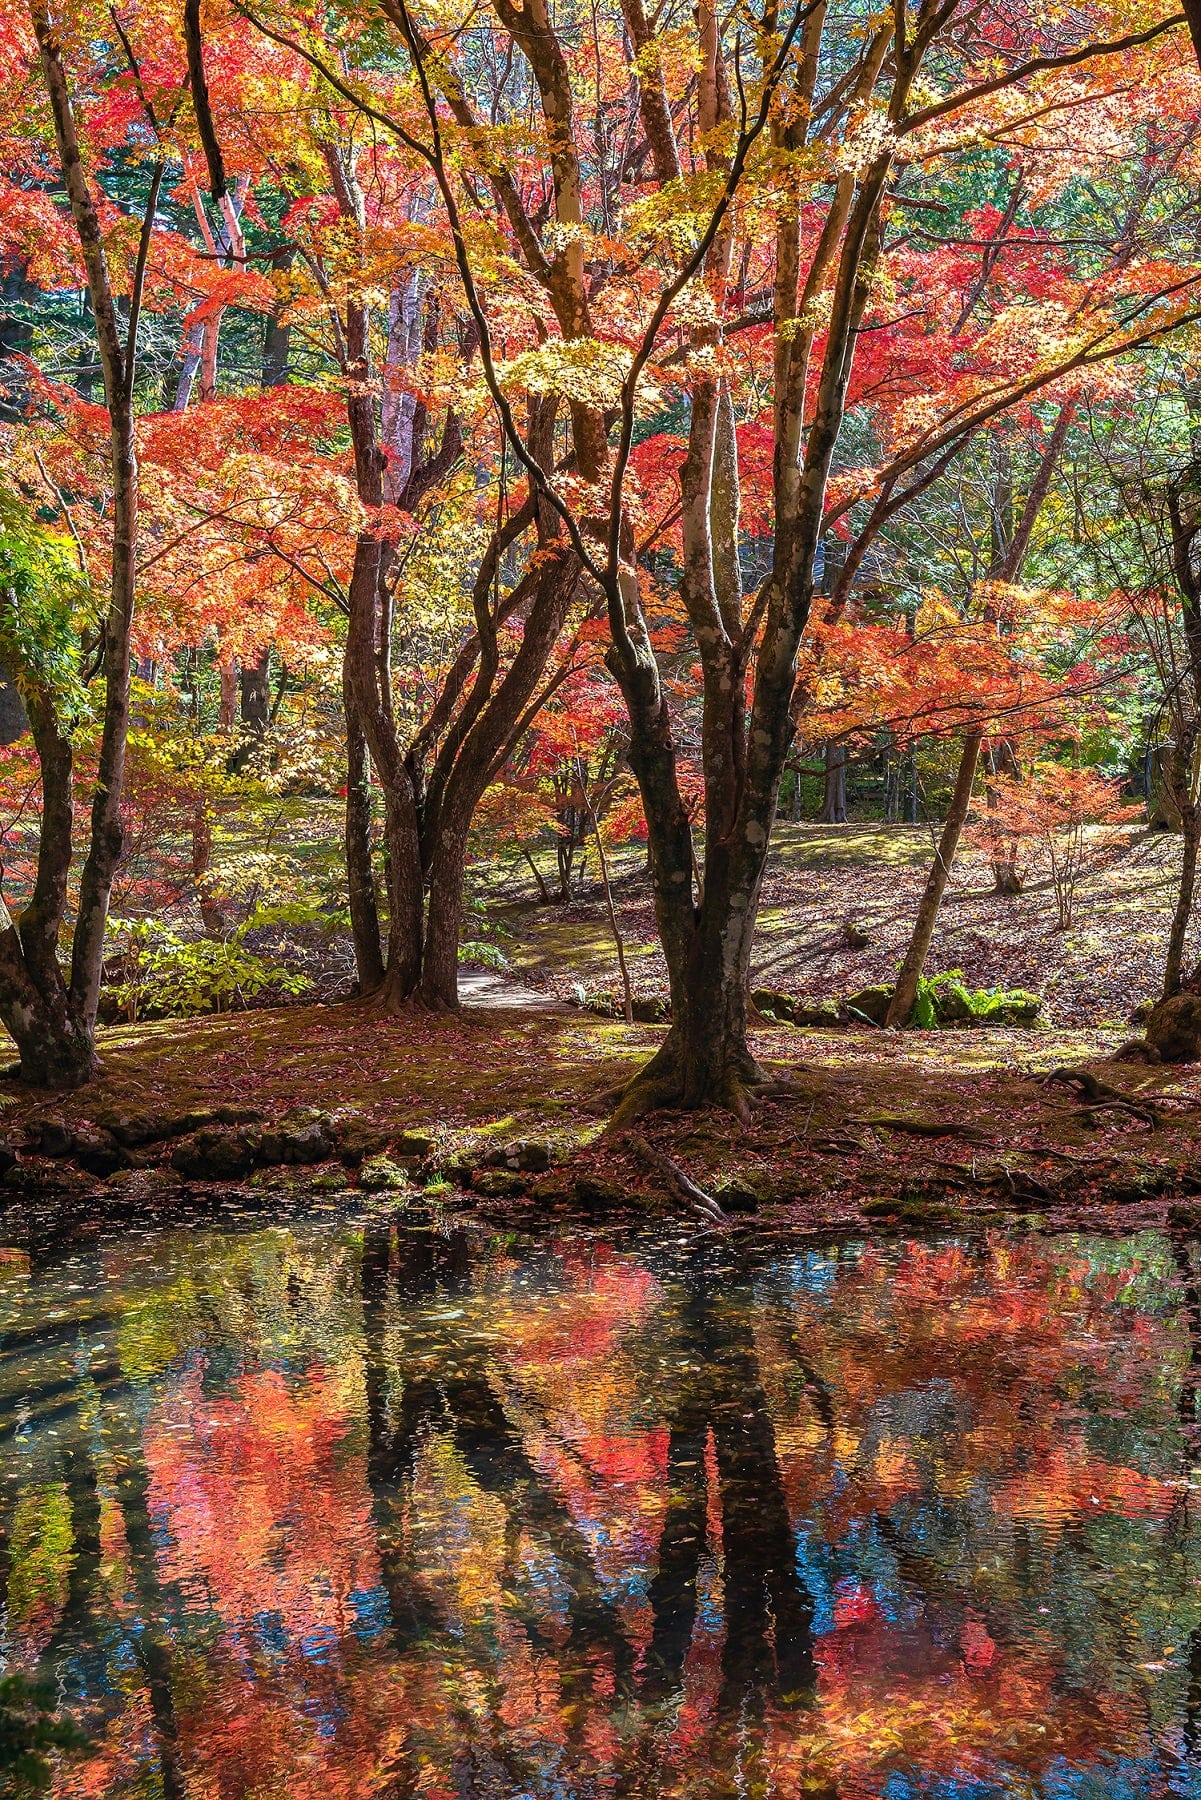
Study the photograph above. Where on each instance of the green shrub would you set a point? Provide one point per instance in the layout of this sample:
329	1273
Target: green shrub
185	977
947	1000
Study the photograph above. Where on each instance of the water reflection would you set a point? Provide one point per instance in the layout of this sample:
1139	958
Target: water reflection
346	1510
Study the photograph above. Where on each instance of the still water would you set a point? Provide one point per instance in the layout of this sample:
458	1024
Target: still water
343	1510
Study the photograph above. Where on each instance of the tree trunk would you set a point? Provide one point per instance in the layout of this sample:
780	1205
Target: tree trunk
227	716
1002	760
53	1022
211	915
255	697
360	876
1190	822
834	802
901	1004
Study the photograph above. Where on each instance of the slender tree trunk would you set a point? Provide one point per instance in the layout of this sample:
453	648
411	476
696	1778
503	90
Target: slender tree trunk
55	1031
614	927
834	803
1190	820
360	875
1010	555
1002	760
901	1004
211	915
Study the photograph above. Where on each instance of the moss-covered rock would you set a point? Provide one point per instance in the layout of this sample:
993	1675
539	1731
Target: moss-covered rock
380	1175
1174	1029
498	1184
215	1153
870	1003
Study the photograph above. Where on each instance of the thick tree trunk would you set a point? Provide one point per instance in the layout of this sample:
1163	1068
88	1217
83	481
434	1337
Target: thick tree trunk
254	680
705	1059
901	1004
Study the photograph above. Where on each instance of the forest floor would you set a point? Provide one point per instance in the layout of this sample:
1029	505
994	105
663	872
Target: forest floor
496	1110
938	1127
830	887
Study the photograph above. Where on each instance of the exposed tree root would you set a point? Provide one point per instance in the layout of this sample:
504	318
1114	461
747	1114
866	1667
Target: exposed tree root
927	1128
680	1183
1147	1114
1100	1097
1089	1087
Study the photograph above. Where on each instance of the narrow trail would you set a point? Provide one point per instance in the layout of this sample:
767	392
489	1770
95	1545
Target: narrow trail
493	992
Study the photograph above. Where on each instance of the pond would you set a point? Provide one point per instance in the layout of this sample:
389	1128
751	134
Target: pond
343	1509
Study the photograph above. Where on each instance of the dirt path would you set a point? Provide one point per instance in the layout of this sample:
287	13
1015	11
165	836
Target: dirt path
486	989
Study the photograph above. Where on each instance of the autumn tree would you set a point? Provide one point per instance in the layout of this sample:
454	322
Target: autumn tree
51	1011
799	149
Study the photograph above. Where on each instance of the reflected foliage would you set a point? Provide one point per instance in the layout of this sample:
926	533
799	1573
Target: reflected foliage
346	1510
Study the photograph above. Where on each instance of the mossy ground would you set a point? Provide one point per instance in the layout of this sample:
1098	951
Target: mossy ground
951	1123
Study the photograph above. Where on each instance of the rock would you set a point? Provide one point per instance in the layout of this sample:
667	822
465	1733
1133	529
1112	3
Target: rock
1174	1029
498	1184
773	1004
1142	1012
312	1142
8	1157
43	1181
822	1014
819	1014
952	1006
52	1137
183	1124
378	1175
299	1139
738	1195
598	1195
132	1130
553	1190
414	1144
856	936
647	1010
533	1158
98	1152
1017	1008
214	1154
358	1139
870	1003
457	1169
237	1115
143	1187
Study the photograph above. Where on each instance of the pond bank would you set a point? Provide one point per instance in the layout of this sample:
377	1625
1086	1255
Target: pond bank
494	1112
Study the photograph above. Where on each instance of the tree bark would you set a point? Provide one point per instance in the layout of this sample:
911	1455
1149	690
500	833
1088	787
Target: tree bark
905	993
360	875
834	802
